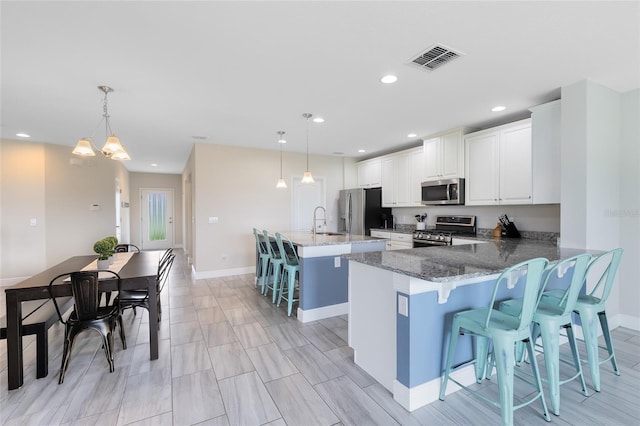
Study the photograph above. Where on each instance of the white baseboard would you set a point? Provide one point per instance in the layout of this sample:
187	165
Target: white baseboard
221	272
324	312
419	396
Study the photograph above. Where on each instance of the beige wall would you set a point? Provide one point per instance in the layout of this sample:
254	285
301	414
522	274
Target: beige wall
139	181
47	183
237	185
22	199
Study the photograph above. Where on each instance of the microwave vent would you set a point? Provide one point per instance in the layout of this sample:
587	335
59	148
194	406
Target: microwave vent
434	57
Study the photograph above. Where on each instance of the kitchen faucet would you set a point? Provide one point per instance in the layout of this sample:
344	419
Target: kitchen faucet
313	226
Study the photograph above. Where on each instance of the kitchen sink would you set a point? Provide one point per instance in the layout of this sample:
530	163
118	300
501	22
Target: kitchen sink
329	233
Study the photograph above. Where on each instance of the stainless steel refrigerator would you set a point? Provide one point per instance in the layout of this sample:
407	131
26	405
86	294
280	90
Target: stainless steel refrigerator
361	209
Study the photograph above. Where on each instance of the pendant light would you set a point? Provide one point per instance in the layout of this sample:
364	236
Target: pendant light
112	147
307	177
281	183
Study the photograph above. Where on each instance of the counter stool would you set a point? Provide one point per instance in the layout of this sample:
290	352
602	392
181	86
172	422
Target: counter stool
504	331
591	306
552	314
263	259
274	268
291	269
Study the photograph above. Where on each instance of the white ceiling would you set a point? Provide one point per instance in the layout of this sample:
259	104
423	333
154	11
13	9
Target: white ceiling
237	72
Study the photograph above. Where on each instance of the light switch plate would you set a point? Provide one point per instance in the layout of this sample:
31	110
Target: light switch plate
336	262
213	219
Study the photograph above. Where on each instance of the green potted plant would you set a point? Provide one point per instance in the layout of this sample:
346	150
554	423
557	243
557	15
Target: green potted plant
113	242
104	250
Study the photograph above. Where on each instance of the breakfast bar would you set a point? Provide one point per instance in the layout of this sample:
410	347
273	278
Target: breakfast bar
402	303
323	273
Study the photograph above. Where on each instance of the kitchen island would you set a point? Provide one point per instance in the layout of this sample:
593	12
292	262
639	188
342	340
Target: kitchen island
401	305
323	273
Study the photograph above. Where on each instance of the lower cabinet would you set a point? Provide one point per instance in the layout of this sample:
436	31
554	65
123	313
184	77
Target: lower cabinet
395	240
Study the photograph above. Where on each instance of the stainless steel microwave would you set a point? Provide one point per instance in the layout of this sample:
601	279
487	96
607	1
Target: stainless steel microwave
445	191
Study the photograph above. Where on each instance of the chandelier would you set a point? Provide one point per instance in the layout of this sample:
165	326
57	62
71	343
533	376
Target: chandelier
112	147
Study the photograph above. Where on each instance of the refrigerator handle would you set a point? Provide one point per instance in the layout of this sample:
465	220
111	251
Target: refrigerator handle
348	214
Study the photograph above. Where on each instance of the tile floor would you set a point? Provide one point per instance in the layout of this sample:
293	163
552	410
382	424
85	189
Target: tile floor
228	356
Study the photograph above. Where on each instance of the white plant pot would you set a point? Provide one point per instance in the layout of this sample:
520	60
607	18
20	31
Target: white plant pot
420	226
103	264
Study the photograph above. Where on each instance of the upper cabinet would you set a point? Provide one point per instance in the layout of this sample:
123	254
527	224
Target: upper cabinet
545	133
444	156
498	165
370	173
401	178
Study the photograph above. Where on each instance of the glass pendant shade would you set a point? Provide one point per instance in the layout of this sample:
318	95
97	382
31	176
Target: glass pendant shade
121	154
112	145
307	178
281	183
83	148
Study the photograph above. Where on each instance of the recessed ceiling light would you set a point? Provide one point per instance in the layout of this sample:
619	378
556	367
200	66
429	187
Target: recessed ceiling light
318	120
338	153
200	138
154	164
23	135
361	150
388	79
498	108
411	135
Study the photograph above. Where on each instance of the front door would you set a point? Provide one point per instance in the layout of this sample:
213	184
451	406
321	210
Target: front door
156	219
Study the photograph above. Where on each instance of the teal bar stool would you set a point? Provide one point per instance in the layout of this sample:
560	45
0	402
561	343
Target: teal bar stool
291	270
552	314
263	259
503	330
591	307
274	268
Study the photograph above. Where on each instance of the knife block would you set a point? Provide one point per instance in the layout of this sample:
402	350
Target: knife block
510	231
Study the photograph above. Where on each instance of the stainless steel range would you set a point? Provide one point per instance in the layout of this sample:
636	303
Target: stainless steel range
446	228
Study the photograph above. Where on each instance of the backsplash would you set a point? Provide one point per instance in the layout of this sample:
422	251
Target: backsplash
529	235
543	218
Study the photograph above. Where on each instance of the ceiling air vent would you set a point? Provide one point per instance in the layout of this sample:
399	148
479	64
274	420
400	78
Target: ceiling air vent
434	57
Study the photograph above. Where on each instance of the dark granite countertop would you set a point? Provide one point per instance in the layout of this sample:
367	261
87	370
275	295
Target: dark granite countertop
459	263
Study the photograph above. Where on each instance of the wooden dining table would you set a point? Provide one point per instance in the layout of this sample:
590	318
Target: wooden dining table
139	273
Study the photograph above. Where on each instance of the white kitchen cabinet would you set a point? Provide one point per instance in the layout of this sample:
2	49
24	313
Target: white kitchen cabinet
498	165
380	234
546	136
395	240
444	156
417	177
400	180
370	173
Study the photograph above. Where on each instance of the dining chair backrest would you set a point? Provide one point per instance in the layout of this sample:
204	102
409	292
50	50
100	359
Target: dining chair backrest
123	248
288	249
602	270
85	290
532	270
163	271
578	265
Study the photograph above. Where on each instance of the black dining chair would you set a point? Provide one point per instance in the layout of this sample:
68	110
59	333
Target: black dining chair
140	298
123	248
87	313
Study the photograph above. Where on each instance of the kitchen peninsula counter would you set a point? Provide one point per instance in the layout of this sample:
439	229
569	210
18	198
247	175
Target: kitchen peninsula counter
401	304
324	274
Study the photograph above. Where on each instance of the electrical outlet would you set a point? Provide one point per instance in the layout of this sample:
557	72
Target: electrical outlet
403	305
336	262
